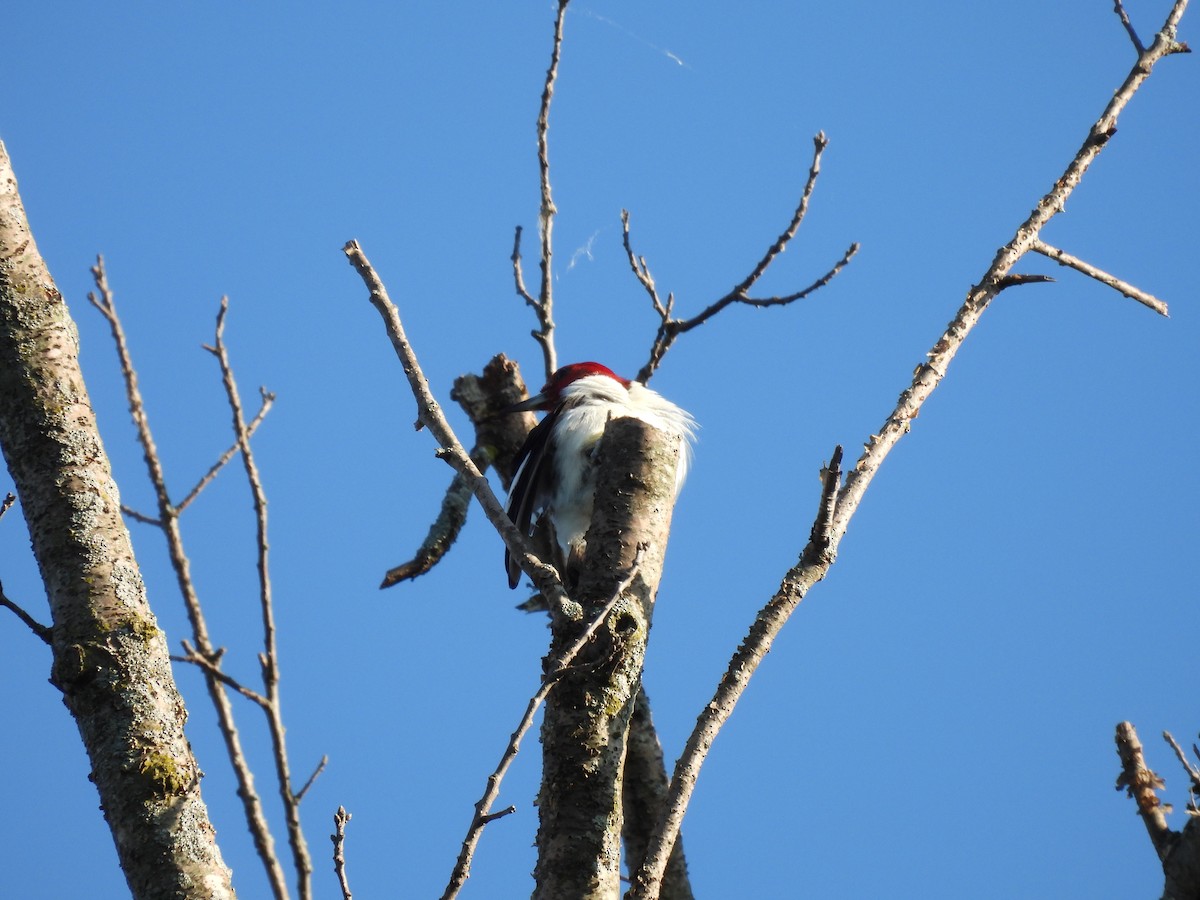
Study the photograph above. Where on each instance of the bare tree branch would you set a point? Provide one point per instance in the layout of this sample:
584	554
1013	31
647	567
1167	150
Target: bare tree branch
497	440
429	414
1066	259
820	142
312	779
1129	29
929	374
814	562
555	669
110	658
205	655
340	820
833	520
1143	785
670	328
269	658
212	668
645	789
268	400
545	304
519	277
1192	772
42	631
1178	851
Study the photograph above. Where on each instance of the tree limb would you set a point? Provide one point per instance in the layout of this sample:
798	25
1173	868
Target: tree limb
833	521
269	658
545	305
670	328
205	655
1066	259
555	669
1179	852
429	415
110	659
498	438
814	562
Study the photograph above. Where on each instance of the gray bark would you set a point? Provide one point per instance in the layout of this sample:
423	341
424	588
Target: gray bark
587	714
109	657
644	794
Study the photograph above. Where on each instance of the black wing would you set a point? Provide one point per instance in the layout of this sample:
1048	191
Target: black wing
529	486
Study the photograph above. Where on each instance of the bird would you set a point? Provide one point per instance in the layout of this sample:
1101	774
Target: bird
555	472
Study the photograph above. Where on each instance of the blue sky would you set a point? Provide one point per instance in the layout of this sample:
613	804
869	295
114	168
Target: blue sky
937	718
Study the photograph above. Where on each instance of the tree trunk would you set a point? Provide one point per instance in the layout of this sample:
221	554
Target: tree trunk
109	658
587	714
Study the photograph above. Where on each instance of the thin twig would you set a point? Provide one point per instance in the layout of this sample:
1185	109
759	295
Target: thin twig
1124	287
36	627
820	142
429	415
140	516
269	658
545	304
42	631
555	670
518	275
312	778
1193	772
210	667
641	270
1119	8
670	328
268	400
340	819
168	521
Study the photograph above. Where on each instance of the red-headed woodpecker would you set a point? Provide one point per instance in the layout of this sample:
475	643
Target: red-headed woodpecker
555	471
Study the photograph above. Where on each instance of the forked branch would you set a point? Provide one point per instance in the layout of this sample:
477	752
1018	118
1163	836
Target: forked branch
269	658
670	328
204	653
814	562
838	506
999	275
543	305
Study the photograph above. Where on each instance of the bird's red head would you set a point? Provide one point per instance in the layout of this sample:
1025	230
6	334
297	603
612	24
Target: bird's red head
551	392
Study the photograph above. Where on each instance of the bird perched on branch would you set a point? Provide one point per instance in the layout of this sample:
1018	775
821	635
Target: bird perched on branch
555	470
